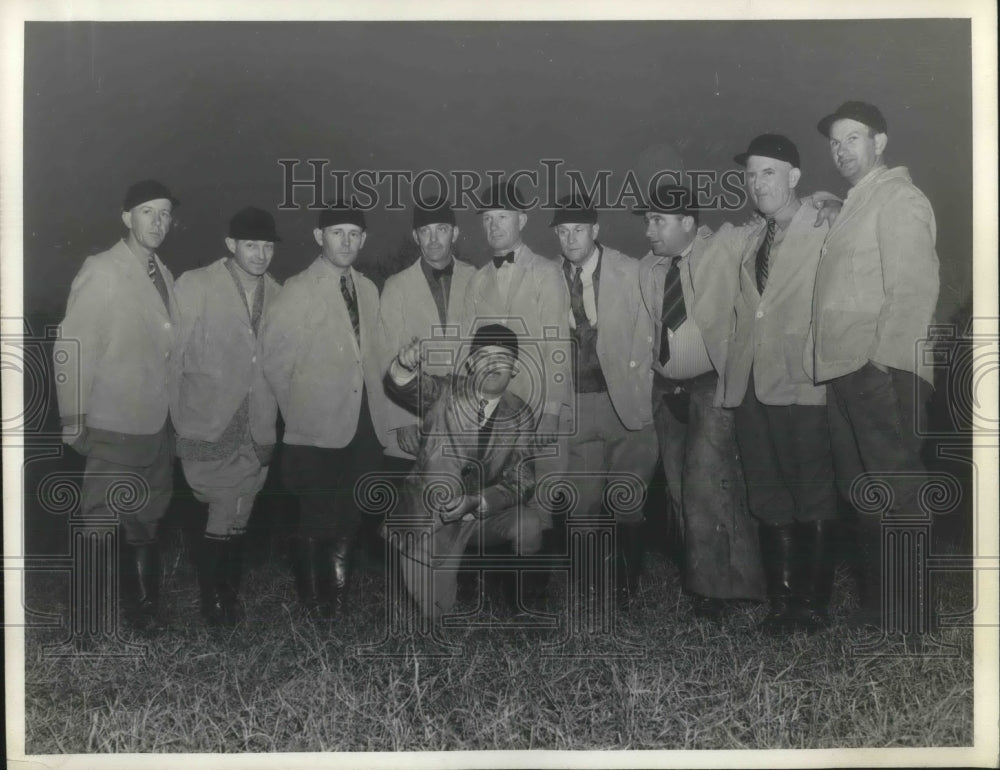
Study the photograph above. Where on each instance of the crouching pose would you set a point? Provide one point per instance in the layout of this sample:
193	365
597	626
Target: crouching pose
473	469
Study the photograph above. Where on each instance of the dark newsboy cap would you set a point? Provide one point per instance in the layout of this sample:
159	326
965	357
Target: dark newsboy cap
494	335
771	146
502	196
433	213
669	199
862	112
574	210
147	190
341	214
253	224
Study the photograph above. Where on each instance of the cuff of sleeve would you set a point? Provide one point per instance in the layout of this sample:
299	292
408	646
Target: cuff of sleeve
399	375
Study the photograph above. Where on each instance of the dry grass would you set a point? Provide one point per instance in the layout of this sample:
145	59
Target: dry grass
282	683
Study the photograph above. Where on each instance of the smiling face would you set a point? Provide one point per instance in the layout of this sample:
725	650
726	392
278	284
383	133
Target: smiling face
340	243
668	234
503	229
435	242
491	369
855	148
148	224
577	241
771	183
252	257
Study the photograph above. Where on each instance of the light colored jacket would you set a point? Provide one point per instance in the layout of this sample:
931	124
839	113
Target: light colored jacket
537	309
408	310
449	451
216	357
878	279
771	330
624	338
112	361
313	362
709	280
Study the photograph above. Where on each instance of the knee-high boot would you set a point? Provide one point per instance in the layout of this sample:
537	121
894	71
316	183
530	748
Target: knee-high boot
629	551
869	540
228	576
310	570
208	559
818	540
141	573
777	545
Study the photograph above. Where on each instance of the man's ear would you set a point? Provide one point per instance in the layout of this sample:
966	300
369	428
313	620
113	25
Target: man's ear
595	229
881	140
454	234
231	245
364	235
793	177
688	224
318	235
416	238
522	220
127	219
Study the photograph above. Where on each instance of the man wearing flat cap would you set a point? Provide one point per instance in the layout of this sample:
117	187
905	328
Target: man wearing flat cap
222	408
425	300
112	371
614	440
688	283
876	290
781	420
323	358
473	471
526	292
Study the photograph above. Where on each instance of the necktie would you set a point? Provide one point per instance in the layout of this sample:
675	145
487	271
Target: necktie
674	313
347	289
508	257
157	278
576	297
763	256
485	427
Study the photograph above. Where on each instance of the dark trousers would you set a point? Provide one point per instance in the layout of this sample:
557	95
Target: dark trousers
787	461
324	480
873	418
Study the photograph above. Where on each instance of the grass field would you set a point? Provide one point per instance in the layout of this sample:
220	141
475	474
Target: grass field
280	682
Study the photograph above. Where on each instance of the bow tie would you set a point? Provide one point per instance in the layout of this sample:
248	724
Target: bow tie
443	271
508	257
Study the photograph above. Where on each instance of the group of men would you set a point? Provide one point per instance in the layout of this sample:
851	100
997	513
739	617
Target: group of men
763	364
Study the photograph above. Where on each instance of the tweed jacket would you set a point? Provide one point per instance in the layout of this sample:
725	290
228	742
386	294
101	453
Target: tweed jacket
771	330
624	338
537	309
408	310
112	359
313	362
449	449
216	357
709	280
878	279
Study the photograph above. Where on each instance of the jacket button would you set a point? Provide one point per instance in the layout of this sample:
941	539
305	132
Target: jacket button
649	339
166	325
253	360
760	314
631	364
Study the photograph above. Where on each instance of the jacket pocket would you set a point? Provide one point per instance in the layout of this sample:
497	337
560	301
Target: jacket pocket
794	349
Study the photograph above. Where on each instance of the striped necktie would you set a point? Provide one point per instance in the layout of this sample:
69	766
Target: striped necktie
674	312
157	278
764	256
351	300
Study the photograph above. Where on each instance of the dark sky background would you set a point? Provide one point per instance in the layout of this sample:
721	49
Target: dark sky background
209	108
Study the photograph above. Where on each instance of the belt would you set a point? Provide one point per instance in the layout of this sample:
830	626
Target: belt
670	386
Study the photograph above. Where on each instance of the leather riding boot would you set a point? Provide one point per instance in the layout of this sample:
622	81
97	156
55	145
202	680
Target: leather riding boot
142	568
777	545
310	570
339	555
818	547
869	539
535	583
628	563
228	574
208	557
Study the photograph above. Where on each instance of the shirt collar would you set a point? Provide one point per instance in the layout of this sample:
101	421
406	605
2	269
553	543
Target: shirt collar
868	178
